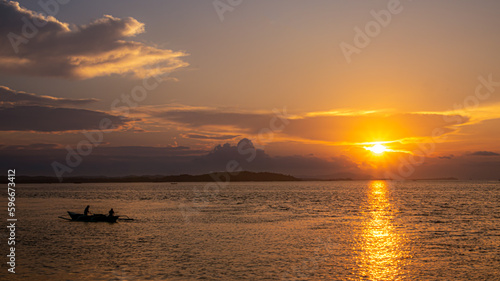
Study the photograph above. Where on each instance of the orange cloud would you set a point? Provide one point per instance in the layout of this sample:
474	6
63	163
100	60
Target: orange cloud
329	128
60	49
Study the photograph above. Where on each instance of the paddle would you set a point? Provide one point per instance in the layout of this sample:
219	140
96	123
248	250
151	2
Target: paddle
64	218
126	219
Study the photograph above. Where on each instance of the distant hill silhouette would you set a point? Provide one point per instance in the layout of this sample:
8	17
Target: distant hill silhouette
437	179
243	176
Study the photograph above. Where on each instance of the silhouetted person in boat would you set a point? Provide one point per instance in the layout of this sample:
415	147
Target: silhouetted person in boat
86	212
111	213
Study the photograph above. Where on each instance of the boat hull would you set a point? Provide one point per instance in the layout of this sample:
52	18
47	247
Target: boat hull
92	218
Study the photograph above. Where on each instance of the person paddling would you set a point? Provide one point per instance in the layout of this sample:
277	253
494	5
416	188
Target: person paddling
111	213
86	212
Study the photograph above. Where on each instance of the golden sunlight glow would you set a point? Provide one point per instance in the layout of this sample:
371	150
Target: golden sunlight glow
377	148
383	247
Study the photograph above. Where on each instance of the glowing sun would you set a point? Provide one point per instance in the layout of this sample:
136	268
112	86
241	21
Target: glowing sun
377	148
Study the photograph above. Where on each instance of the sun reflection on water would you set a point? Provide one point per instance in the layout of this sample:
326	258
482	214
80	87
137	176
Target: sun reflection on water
382	246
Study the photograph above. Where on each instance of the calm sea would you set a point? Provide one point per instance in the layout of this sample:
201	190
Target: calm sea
360	230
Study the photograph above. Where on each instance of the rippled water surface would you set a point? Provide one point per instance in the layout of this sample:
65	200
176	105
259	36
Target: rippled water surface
366	230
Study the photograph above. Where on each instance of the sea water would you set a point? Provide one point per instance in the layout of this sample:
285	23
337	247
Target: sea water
344	230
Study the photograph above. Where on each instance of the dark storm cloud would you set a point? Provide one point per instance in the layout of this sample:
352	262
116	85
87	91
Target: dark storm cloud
40	45
12	97
48	119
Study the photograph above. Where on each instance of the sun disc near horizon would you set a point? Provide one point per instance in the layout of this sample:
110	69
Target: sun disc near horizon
377	148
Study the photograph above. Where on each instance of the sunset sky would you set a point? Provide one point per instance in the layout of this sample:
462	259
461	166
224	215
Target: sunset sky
183	82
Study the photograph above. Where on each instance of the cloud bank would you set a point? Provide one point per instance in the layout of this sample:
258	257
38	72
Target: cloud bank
12	97
20	111
484	153
36	159
47	119
39	45
331	128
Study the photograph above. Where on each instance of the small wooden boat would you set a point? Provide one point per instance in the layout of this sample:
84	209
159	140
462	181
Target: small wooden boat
92	218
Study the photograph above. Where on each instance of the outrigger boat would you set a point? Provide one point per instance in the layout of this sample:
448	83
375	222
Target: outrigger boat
92	218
